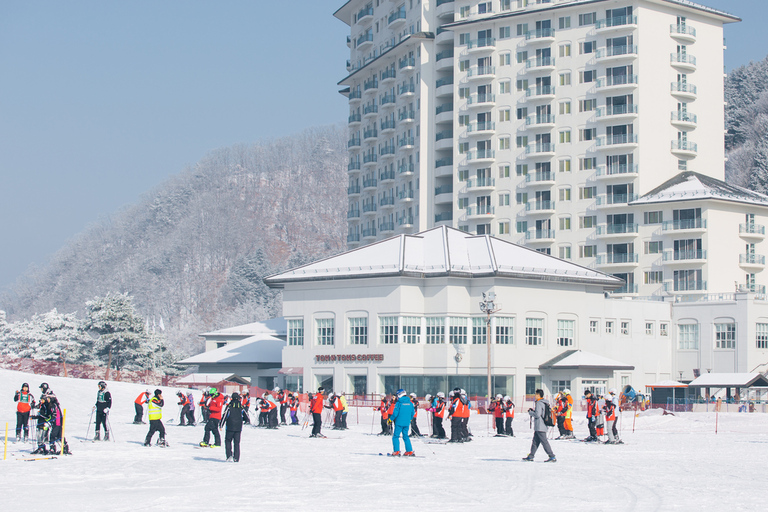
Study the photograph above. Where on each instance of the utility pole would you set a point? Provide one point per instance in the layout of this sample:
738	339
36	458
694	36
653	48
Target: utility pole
488	306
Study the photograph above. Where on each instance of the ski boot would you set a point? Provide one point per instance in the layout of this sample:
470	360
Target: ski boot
529	458
97	437
409	454
106	436
203	444
394	454
162	443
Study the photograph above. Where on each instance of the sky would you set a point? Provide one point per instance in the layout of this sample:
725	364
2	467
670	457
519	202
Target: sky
100	102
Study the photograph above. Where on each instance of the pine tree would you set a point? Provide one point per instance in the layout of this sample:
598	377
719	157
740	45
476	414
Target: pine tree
119	331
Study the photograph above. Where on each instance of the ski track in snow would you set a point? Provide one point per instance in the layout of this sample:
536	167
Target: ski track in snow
669	463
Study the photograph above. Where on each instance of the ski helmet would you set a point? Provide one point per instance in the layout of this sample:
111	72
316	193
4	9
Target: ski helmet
25	385
102	384
158	392
400	392
612	391
213	391
235	396
462	392
428	397
498	397
276	390
566	391
507	399
44	387
440	394
413	395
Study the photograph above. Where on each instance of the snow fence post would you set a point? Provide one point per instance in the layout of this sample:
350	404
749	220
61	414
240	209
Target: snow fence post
63	425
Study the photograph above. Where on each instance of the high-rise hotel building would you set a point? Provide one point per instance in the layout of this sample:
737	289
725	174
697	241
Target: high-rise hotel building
591	130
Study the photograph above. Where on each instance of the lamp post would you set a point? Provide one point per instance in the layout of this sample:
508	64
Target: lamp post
489	306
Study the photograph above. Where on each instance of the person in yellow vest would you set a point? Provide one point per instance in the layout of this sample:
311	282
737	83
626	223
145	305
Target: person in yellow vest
155	410
345	411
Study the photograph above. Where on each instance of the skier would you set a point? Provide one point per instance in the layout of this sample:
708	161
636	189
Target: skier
232	421
282	398
138	404
203	409
414	425
344	411
271	411
214	405
294	406
316	408
498	409
26	402
592	414
600	423
43	428
191	411
402	415
155	414
439	414
338	410
457	410
55	420
103	403
263	407
184	403
568	423
540	428
561	407
616	399
509	415
245	400
44	389
383	408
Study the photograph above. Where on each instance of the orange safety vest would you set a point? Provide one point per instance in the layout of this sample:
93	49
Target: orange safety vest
337	405
142	399
460	409
440	409
510	410
610	411
383	408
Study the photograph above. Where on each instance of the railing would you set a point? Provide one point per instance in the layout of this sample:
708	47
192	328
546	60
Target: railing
406	221
353	237
445	107
542	119
444	81
389	124
365	38
481	182
387	150
406	168
752	259
539	33
477	99
481	153
370	109
537	206
540	62
481	71
370	133
353	166
445	134
479	126
442	162
386	226
541	147
487	42
622	138
387	201
675	225
617	258
682	30
616	199
370	158
685	255
682	58
370	232
540	234
441	2
406	88
406	115
616	169
684	145
353	214
369	183
627	288
386	175
683	117
617	229
474	209
354	189
365	11
373	83
683	87
389	73
541	90
387	98
353	142
445	189
354	118
617	51
440	217
406	62
685	286
445	54
616	21
539	176
355	95
754	229
405	194
397	15
616	80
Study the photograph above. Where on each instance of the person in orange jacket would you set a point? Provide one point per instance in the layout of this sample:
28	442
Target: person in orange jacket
459	412
568	423
293	404
214	404
245	401
138	404
438	415
384	408
338	410
282	398
498	408
184	404
592	414
316	404
509	415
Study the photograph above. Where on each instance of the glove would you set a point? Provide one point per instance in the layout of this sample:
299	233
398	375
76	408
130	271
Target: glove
106	411
389	422
593	419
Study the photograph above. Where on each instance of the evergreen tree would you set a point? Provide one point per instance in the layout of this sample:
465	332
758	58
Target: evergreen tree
120	333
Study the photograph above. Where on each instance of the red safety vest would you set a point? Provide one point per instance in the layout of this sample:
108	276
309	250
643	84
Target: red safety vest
440	409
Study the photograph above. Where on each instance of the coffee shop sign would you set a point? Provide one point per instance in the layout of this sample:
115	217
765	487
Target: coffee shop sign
349	358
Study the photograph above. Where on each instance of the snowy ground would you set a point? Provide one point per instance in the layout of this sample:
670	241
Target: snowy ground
668	463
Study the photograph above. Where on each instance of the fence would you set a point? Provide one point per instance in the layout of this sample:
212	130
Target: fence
701	405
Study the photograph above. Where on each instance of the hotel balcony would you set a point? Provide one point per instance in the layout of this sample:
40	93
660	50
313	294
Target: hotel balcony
353	166
685	257
406	64
609	200
618	260
444	113
386	176
540	64
388	101
354	142
355	96
355	118
444	140
627	289
542	92
542	35
691	225
445	9
546	149
481	127
544	207
752	231
684	148
406	196
370	135
481	72
616	82
370	159
683	33
683	90
444	86
683	286
370	183
406	116
481	100
623	140
615	112
474	211
353	238
477	184
387	202
369	233
443	217
445	163
616	23
683	120
396	18
540	235
370	110
354	190
479	45
386	227
543	121
387	126
683	61
388	75
481	155
444	194
545	178
405	222
616	53
443	36
387	151
364	41
752	262
444	60
405	169
365	14
617	230
623	171
406	90
353	214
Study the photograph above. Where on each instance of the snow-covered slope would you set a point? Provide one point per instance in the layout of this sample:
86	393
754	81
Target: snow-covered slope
668	463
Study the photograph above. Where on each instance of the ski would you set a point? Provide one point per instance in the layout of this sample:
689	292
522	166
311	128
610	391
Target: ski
30	459
403	456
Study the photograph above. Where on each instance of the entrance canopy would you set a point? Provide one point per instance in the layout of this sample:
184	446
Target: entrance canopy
730	380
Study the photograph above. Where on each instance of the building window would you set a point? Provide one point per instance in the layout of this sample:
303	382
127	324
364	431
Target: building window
435	330
505	327
565	79
725	335
296	332
324	331
388	326
609	327
588	134
565	330
594	325
587	192
521	226
587	251
457	333
504	199
503	171
479	331
565	137
586	77
411	329
587	19
587	47
663	329
761	335
565	252
358	331
565	50
625	328
504	32
504	227
653	217
521	169
504	143
654	247
565	194
587	105
564	22
587	222
653	277
534	331
565	223
504	115
649	328
565	166
505	87
560	385
688	336
565	107
586	164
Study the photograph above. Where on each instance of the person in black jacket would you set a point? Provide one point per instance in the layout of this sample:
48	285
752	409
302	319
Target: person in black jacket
103	403
232	419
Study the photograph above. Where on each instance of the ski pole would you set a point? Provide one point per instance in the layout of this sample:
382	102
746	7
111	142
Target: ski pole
373	419
112	432
88	428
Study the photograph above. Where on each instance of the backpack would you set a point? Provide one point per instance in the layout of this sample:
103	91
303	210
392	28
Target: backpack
548	415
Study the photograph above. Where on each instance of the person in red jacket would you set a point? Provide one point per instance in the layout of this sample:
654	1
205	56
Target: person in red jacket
316	404
25	403
246	403
384	410
509	415
592	414
282	399
294	405
498	409
138	404
184	404
214	405
439	414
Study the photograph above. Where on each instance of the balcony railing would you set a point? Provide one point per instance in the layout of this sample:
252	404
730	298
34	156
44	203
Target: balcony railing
617	110
353	190
486	42
445	189
406	89
445	134
368	233
616	21
406	62
405	168
539	176
365	11
445	54
353	237
480	154
481	182
444	81
676	225
389	124
684	117
616	199
752	259
395	16
479	99
540	33
753	229
541	147
373	83
370	133
386	175
540	234
622	138
617	51
387	98
617	258
387	150
474	209
443	162
480	126
616	80
386	226
353	142
540	62
685	286
353	214
542	119
370	158
355	95
406	221
617	229
541	90
616	169
682	30
405	194
445	107
488	71
369	183
365	38
387	201
684	145
406	115
353	166
682	58
683	87
370	109
354	118
685	255
538	206
627	288
445	216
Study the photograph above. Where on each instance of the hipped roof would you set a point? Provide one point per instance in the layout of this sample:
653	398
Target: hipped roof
444	251
580	360
256	349
273	327
690	186
213	378
730	380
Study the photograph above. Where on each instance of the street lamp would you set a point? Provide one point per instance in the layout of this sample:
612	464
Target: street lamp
489	306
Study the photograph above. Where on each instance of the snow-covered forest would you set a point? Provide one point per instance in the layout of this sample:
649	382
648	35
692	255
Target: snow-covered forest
192	252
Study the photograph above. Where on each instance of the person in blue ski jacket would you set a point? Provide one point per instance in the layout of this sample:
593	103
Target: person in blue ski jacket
401	419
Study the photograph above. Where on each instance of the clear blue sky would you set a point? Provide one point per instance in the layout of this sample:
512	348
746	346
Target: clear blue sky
101	101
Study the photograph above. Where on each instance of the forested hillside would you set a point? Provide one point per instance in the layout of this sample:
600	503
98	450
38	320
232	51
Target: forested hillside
194	251
746	119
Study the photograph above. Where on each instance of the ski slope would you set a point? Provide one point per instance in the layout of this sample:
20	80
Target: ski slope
668	463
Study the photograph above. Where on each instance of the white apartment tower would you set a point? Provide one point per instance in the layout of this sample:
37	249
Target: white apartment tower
591	130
